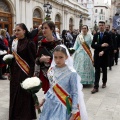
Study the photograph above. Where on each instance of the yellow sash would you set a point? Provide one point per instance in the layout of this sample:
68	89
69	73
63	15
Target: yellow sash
22	64
86	48
62	95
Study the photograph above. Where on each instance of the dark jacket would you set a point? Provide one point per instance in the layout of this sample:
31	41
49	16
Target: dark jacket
100	61
2	47
117	38
114	42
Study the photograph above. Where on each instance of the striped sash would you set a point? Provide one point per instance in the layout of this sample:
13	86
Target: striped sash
22	64
86	48
62	96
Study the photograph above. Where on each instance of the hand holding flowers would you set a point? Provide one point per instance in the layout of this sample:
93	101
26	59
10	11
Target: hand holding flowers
8	60
32	85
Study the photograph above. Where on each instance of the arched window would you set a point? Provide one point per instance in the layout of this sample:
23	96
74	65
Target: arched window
71	24
5	16
57	18
4	7
36	14
37	20
57	21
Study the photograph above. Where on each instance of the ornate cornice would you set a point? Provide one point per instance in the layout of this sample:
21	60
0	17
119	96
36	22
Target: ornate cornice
73	5
28	1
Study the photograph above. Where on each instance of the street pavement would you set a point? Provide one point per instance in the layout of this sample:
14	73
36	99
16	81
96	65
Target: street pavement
104	105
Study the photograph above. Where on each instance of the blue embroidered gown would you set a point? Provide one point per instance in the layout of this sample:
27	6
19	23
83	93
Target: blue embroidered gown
53	109
82	62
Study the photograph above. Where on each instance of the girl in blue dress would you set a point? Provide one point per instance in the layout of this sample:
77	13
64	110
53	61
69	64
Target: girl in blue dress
64	99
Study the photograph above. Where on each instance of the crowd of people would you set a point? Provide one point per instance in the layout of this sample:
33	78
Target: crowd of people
62	74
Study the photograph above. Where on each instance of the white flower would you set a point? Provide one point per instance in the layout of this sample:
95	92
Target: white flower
8	56
30	83
3	52
71	48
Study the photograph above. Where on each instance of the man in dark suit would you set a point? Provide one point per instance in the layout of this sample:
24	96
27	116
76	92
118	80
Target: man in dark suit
101	43
117	38
113	48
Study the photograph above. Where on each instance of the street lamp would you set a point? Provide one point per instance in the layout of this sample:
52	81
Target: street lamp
47	10
80	27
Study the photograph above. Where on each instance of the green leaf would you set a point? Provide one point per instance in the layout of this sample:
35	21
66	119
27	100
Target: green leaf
68	105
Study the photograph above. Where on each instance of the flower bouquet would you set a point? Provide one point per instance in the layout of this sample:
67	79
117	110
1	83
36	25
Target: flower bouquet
32	85
3	52
8	60
71	50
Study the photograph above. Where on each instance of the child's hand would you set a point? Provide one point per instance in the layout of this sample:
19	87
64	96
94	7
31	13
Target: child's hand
41	104
37	106
72	117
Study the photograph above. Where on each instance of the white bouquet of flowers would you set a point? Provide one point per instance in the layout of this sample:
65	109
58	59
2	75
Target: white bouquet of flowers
3	52
32	85
8	58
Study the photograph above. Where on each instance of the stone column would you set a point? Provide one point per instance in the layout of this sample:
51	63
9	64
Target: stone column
66	23
17	7
29	14
22	11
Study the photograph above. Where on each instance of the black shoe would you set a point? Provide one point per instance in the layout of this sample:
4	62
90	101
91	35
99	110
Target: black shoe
110	68
94	90
2	78
104	85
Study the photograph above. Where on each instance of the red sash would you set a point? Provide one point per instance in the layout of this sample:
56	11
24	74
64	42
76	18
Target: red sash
22	64
86	48
62	95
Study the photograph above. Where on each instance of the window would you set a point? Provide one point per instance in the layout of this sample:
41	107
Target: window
36	14
101	11
102	17
95	10
4	7
57	18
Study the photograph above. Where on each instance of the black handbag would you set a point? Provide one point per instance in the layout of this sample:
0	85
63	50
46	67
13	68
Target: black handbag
44	51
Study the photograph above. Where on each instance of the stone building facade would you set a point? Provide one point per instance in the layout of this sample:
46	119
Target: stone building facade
65	13
98	10
115	17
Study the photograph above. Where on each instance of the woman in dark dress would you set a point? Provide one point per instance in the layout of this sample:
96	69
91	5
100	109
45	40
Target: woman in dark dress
21	102
49	43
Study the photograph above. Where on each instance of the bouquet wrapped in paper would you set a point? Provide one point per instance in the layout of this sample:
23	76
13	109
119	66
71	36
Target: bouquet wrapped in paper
8	60
32	85
71	50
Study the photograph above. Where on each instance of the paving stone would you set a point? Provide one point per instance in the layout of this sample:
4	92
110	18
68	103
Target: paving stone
104	105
